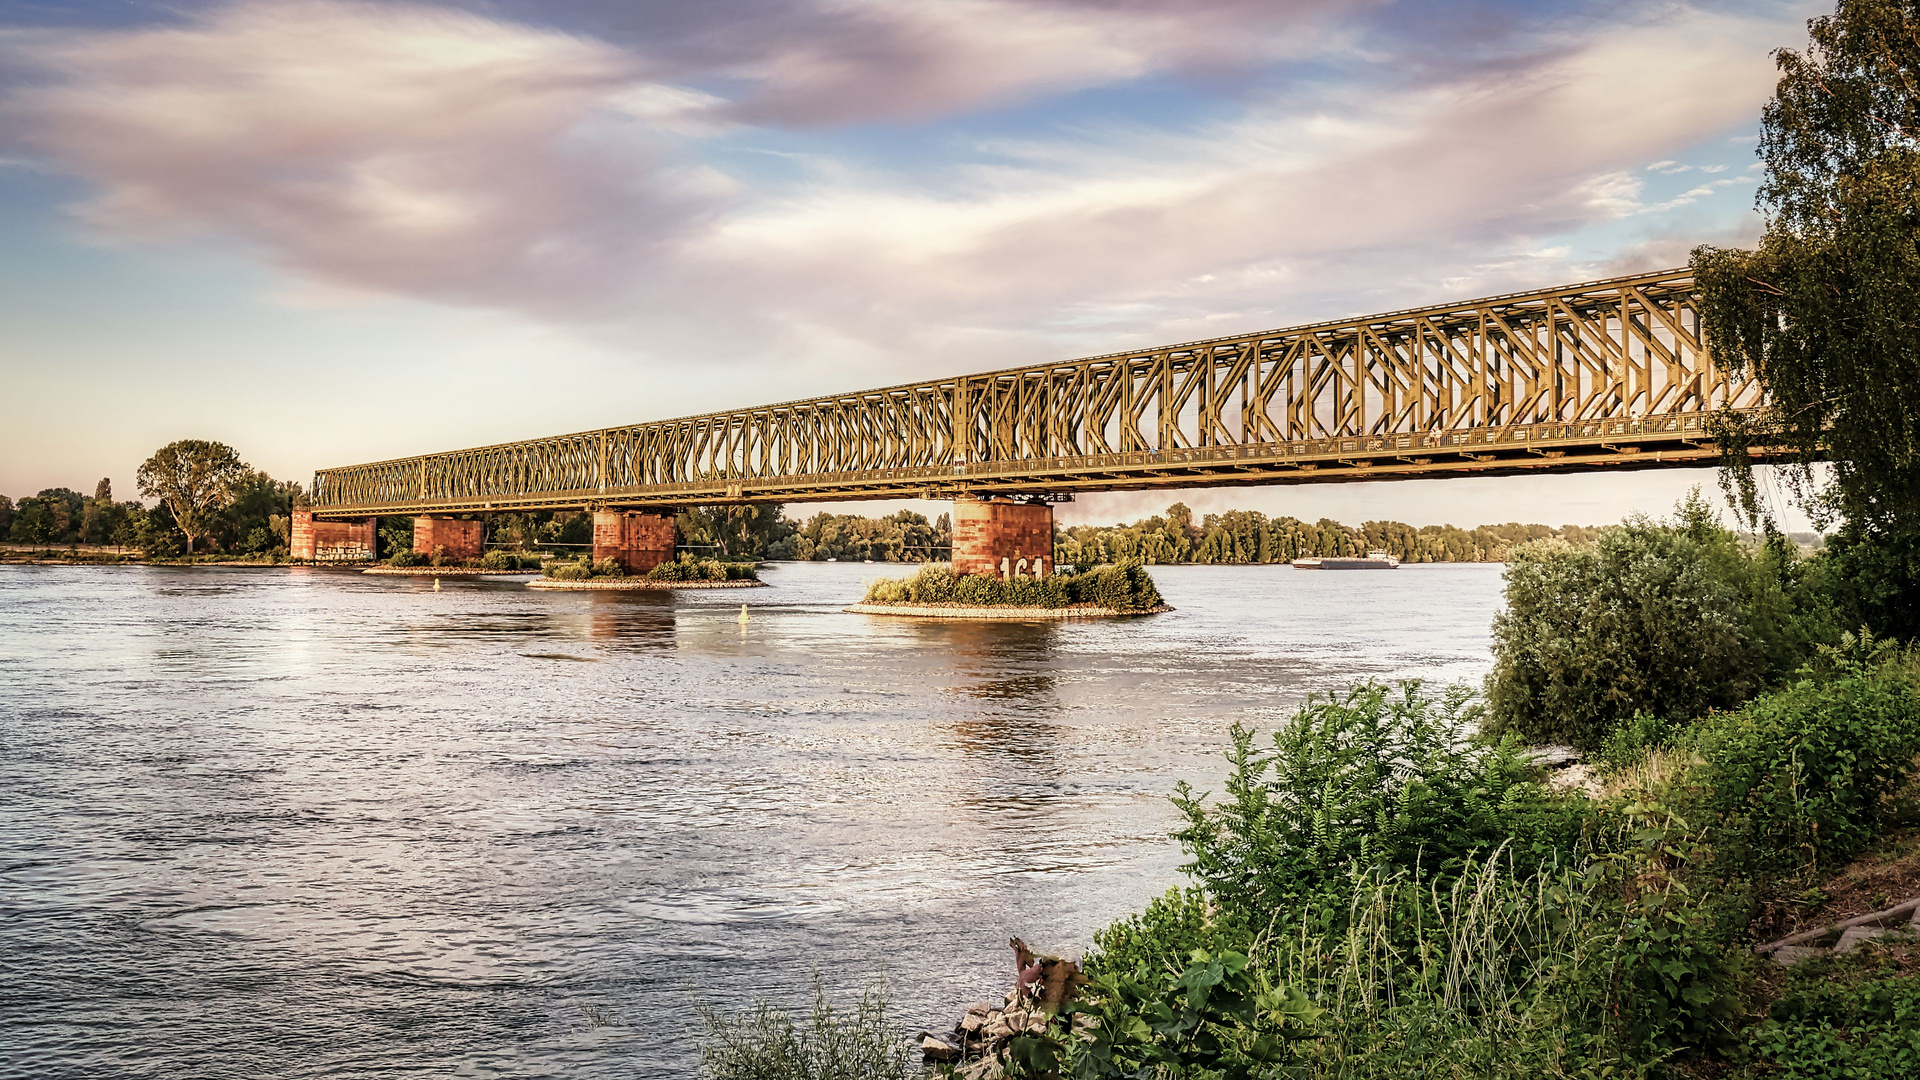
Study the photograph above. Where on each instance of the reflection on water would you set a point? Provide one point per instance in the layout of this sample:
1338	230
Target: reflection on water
302	823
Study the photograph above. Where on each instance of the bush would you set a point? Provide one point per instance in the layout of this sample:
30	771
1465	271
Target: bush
976	590
1863	1023
690	567
507	560
1124	586
766	1044
1672	620
1803	777
584	569
1369	780
1164	937
407	558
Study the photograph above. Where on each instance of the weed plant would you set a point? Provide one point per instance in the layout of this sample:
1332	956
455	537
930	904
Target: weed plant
767	1044
1375	778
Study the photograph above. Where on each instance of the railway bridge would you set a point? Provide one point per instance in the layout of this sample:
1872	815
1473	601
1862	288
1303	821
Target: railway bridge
1611	374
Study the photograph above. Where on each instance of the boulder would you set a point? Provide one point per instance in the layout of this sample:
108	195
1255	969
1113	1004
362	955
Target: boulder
937	1051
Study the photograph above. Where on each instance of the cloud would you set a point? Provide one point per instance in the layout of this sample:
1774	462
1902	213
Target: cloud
389	147
438	153
809	63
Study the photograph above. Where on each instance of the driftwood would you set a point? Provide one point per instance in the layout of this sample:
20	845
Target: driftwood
1910	908
1041	985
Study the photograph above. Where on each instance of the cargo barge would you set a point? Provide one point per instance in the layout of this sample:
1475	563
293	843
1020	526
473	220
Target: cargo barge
1375	560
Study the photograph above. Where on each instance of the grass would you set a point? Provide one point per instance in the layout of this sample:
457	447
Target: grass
765	1043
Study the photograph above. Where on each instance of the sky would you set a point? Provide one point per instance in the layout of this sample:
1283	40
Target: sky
328	232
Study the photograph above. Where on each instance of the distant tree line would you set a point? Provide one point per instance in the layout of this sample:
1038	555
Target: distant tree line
1248	536
206	500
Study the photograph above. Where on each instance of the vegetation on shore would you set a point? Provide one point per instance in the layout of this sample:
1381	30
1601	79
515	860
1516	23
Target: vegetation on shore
1124	587
687	567
1373	895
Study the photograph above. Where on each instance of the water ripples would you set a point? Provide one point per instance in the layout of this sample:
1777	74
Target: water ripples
309	823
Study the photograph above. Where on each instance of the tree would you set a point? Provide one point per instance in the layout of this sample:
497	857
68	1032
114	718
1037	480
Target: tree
1826	311
194	479
733	532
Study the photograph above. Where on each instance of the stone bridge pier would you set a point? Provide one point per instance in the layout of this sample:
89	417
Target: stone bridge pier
1002	538
638	540
330	541
456	538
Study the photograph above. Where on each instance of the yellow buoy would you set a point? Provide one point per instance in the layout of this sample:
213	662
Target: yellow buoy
436	584
743	613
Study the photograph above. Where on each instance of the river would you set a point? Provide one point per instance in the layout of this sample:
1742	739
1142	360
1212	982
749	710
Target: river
307	823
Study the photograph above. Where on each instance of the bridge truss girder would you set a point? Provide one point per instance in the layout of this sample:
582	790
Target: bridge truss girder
1605	374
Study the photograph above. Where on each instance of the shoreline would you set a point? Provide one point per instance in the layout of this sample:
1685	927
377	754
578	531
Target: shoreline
1004	614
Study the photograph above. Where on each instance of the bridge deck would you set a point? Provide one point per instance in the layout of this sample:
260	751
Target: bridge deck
1607	374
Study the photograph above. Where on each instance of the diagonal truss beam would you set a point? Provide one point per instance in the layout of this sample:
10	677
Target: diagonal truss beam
1602	374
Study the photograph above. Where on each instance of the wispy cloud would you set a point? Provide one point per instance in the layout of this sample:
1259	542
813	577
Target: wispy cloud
434	152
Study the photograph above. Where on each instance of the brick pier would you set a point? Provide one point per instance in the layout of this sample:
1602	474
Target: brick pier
457	539
638	541
1004	539
330	541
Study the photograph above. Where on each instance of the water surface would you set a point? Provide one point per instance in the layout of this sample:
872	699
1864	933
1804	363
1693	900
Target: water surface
310	823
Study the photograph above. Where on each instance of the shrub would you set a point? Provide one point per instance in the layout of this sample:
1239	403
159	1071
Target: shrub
570	570
1164	936
1371	779
1863	1023
935	583
1802	777
407	558
975	589
584	569
690	567
766	1044
1672	620
1500	974
1124	586
507	560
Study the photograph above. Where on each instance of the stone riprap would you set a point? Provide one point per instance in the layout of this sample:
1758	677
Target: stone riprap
960	611
444	571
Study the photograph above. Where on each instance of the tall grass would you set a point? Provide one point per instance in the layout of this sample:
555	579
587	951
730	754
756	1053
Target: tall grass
1484	976
766	1043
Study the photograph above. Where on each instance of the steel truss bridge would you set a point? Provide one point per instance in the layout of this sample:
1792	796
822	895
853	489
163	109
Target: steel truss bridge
1607	374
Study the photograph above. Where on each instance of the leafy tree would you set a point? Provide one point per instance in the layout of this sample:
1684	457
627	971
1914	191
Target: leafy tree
899	537
1825	312
51	517
6	514
734	532
195	479
246	522
395	536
